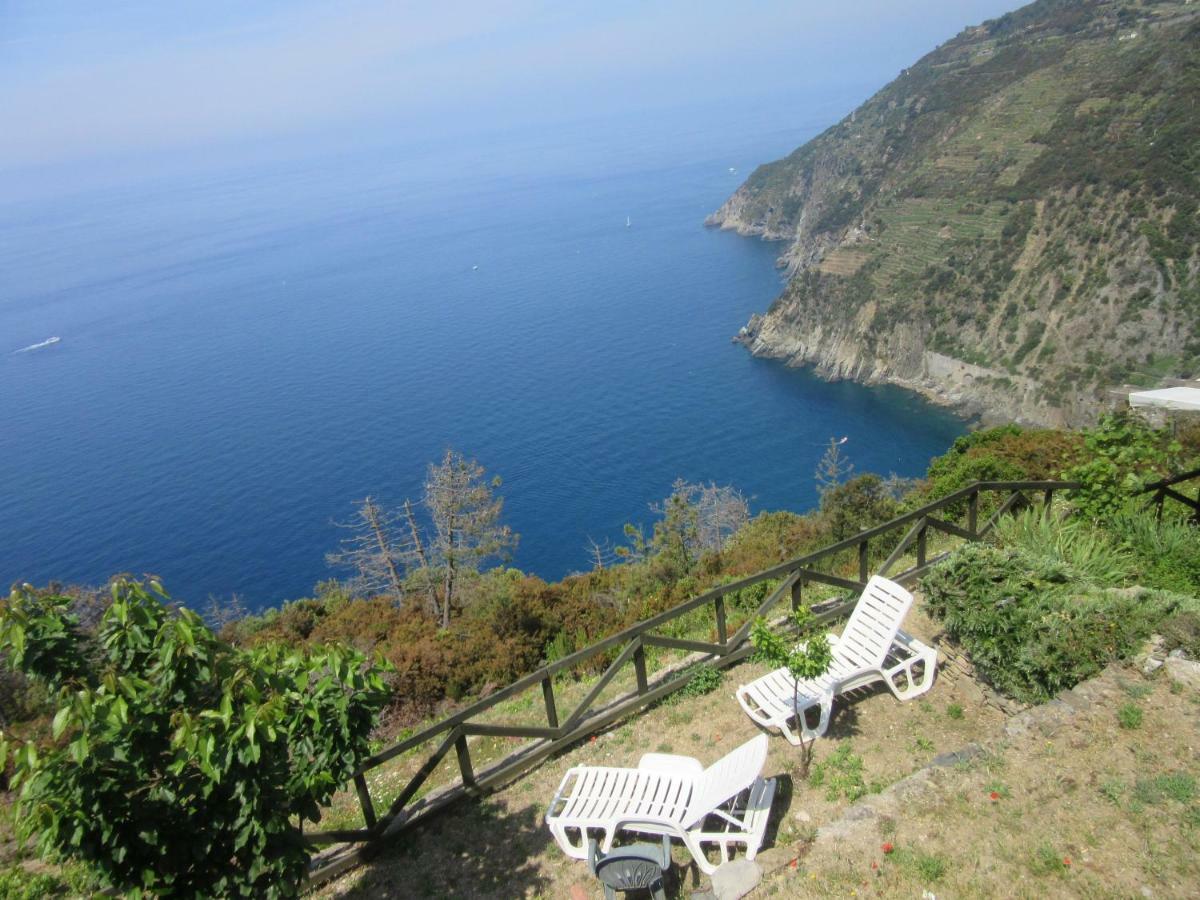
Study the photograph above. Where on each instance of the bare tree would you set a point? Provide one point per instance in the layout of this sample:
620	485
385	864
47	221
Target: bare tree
602	555
834	467
373	552
220	612
466	522
720	512
420	556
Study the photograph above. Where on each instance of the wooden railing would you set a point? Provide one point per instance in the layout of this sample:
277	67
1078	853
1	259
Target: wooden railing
851	556
1172	489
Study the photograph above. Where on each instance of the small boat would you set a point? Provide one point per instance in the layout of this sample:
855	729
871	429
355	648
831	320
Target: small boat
627	222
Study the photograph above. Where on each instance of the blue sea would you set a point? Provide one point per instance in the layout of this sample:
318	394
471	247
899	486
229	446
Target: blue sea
249	346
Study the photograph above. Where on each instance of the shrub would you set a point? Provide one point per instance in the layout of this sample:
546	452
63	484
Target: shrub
1181	631
1167	553
179	764
1030	627
1082	552
859	503
1123	455
704	680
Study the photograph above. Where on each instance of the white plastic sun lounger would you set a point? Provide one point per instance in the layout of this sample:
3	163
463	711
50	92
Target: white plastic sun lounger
871	648
726	804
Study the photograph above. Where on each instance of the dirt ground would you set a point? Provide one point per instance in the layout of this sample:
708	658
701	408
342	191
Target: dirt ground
1103	803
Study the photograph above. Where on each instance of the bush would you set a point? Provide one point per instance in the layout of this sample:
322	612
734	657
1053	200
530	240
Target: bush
859	503
1031	626
1166	553
179	764
1081	552
1124	454
704	680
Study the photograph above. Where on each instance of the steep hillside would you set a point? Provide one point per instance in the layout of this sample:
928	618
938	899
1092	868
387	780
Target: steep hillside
1010	226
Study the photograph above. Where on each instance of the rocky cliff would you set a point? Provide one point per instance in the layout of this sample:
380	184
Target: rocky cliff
1010	226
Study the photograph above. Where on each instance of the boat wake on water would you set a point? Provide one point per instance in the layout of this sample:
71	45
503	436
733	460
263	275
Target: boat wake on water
46	343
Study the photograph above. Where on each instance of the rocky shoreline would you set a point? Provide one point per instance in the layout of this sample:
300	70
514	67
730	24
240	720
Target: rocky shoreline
972	392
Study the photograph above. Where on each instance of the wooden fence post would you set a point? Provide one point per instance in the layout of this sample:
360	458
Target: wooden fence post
464	761
364	799
548	696
722	628
639	667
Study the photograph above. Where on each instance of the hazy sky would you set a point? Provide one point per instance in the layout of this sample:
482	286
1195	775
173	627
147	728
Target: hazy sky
85	80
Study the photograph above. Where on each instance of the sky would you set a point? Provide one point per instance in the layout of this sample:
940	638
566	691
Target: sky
82	82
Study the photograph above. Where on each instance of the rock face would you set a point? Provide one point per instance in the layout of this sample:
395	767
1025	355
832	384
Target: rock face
1009	227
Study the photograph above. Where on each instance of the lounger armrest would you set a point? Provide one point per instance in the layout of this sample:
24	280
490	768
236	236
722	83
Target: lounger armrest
562	789
914	646
670	764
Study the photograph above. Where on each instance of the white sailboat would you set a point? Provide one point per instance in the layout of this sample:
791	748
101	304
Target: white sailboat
627	222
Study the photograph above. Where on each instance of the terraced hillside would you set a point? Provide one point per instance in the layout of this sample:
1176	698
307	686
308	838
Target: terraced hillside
1010	226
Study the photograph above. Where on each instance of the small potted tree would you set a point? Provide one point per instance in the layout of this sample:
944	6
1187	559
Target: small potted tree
808	656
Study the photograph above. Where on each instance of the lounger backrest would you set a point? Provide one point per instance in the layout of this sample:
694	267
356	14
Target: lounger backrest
873	624
728	776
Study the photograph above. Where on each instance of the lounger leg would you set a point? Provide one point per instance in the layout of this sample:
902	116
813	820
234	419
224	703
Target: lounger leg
912	687
696	848
825	710
575	851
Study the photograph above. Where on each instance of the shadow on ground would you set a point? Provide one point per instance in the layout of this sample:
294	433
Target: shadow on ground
475	849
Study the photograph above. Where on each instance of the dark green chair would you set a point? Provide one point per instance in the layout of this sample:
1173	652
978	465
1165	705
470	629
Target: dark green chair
636	867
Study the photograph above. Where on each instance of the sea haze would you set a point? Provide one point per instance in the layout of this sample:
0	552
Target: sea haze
246	350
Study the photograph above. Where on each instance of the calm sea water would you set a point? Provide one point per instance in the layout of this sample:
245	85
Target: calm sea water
248	349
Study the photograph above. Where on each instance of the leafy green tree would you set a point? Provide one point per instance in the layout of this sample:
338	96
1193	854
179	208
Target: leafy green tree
1124	454
180	766
805	655
859	503
676	540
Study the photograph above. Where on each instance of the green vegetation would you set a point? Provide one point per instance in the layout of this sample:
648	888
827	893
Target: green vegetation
1129	716
841	774
1024	195
177	765
1052	600
704	680
119	694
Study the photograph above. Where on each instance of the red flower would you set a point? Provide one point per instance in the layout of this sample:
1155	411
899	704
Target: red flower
592	739
995	795
874	865
795	863
1066	861
887	847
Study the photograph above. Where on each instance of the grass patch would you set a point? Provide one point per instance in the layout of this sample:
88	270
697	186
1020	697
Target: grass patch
1048	861
841	774
1129	716
929	867
1175	786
